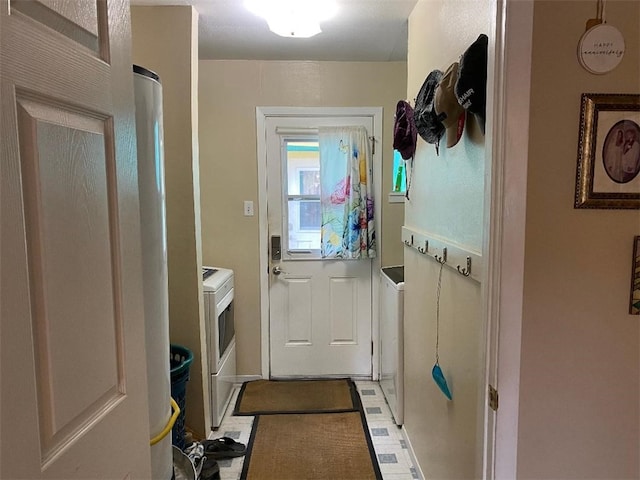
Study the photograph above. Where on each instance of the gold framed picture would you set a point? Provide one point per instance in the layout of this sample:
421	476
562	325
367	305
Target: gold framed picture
634	301
608	173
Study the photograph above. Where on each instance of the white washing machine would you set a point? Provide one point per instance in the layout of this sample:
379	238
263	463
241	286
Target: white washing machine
392	340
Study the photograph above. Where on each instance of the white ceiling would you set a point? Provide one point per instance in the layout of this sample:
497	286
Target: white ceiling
362	30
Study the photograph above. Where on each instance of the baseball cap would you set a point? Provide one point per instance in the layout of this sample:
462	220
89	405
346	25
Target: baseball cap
471	86
449	111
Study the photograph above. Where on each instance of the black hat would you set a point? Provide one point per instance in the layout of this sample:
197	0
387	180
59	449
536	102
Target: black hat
427	123
405	134
471	86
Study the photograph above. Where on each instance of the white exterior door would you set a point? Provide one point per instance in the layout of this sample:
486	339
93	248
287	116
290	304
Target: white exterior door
73	392
320	311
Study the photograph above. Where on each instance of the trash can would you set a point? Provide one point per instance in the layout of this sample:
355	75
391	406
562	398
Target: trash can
180	358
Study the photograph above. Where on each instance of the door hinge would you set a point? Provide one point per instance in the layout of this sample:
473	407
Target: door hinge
372	348
493	398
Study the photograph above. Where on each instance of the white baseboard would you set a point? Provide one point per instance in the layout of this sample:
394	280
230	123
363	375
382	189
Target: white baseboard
412	454
240	379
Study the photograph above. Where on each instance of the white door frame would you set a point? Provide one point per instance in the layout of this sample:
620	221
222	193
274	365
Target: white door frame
261	115
504	239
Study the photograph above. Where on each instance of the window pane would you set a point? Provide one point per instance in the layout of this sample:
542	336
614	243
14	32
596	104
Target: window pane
303	182
310	215
303	168
399	175
310	182
304	224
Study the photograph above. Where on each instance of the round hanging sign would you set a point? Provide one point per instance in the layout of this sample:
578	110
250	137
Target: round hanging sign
601	49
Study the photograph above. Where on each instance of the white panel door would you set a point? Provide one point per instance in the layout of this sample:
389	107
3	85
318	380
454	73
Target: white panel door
320	311
73	392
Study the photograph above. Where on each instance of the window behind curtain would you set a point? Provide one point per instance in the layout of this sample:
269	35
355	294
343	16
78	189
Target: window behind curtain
399	178
302	176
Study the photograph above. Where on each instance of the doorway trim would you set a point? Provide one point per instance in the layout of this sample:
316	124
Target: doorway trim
503	300
262	113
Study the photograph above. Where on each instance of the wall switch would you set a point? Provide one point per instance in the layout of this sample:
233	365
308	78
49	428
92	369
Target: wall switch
248	208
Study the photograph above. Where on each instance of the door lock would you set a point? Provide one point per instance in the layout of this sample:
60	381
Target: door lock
276	253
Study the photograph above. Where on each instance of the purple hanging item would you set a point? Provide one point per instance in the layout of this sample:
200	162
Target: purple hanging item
405	134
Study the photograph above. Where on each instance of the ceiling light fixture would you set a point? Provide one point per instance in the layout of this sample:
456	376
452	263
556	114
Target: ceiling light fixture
293	18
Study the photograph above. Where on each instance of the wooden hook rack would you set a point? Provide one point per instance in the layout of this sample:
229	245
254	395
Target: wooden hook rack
462	260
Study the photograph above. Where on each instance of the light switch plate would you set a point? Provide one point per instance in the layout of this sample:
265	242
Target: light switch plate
248	208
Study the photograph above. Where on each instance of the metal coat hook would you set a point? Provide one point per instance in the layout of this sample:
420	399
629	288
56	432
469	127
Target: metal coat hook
426	247
409	244
465	271
443	258
373	144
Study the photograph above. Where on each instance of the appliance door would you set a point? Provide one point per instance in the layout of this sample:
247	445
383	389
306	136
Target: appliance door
226	327
223	363
211	327
222	384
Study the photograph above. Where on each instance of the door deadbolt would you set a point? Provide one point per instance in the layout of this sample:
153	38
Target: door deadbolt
276	253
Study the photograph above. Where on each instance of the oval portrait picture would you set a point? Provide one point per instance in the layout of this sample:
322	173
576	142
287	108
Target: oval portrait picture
621	151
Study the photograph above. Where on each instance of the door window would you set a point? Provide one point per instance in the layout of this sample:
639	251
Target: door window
301	172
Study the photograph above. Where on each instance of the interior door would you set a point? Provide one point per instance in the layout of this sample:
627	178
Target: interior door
73	387
320	310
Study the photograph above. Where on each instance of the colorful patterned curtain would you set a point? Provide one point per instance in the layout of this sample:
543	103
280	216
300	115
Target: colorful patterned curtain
346	193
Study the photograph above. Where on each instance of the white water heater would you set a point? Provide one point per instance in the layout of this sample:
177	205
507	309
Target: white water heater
148	100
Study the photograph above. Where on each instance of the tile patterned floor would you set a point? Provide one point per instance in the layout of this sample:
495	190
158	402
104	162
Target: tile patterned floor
389	444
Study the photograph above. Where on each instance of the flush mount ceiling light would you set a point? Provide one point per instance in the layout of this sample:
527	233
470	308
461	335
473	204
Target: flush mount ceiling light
293	18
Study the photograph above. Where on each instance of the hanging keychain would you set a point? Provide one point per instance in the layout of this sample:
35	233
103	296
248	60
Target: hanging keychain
408	176
436	371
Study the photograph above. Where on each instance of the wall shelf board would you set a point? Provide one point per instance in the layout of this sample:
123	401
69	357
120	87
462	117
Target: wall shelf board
465	261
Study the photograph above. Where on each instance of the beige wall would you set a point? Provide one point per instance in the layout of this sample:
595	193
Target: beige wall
228	95
165	41
579	384
447	202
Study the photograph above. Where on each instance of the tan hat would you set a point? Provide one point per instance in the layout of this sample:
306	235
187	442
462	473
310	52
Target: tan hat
449	111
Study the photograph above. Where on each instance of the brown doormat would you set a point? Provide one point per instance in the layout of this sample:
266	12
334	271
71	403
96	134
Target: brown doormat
317	446
262	397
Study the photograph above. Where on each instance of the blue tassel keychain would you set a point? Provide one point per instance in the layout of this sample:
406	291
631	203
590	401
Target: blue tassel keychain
438	377
436	371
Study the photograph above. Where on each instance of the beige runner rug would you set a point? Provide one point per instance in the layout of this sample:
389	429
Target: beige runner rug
310	446
263	397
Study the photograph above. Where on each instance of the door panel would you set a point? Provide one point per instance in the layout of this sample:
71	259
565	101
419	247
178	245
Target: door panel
80	21
321	318
343	311
67	176
73	391
320	310
297	313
